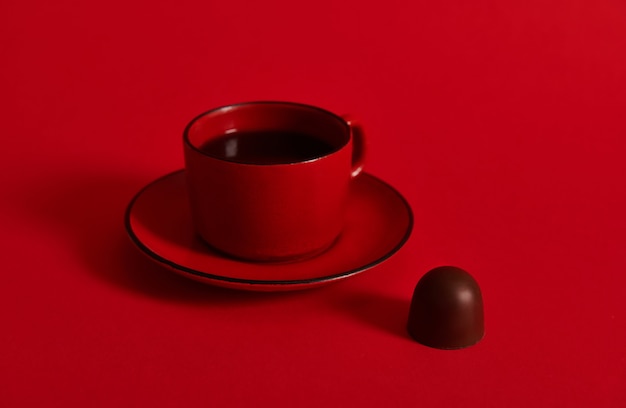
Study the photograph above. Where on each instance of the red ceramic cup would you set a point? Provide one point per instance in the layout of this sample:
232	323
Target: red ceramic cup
269	181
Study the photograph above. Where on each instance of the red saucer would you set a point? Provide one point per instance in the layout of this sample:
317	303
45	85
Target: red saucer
378	223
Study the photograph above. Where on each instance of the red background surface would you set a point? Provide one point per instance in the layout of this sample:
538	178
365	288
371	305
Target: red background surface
501	122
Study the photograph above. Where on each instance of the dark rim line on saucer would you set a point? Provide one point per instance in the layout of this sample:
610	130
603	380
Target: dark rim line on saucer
205	275
240	104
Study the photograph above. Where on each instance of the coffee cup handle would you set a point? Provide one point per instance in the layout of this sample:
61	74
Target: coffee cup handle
358	145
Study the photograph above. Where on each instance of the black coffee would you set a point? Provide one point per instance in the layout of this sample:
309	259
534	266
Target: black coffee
266	147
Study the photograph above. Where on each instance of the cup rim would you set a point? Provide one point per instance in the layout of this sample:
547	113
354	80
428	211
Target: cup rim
193	121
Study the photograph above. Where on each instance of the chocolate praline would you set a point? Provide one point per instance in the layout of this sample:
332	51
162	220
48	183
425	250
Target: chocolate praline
447	309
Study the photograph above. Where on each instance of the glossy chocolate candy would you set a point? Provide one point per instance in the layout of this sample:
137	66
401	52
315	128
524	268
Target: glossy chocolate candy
446	309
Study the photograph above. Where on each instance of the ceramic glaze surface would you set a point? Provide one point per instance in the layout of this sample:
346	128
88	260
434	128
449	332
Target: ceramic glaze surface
378	223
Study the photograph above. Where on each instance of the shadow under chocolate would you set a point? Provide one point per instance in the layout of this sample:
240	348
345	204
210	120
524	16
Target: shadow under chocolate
381	312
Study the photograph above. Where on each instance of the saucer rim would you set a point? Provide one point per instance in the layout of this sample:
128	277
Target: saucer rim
258	282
